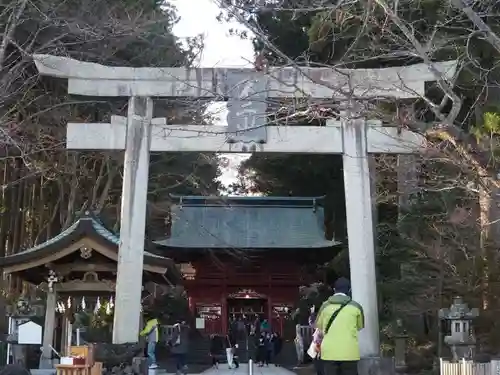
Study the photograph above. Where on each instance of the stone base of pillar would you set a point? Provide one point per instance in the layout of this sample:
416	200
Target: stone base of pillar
120	358
43	371
376	366
19	354
140	365
46	363
401	369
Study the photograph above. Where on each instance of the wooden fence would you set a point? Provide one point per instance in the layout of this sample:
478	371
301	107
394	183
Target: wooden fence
465	367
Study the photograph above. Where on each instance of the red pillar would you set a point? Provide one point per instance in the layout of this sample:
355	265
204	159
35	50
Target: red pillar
269	298
225	317
269	309
192	306
224	314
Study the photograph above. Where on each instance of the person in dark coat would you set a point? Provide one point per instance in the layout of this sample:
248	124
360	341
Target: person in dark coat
231	346
277	345
269	349
261	349
241	329
179	344
216	349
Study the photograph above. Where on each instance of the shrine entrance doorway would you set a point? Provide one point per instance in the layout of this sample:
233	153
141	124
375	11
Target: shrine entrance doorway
247	305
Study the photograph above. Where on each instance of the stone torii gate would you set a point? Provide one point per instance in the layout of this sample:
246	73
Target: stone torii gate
139	133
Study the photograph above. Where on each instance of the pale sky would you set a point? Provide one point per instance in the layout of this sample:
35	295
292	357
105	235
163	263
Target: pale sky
221	50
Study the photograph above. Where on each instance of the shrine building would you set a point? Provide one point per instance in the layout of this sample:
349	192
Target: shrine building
245	256
77	271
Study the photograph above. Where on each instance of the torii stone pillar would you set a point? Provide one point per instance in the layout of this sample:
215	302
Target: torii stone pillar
353	138
360	230
133	219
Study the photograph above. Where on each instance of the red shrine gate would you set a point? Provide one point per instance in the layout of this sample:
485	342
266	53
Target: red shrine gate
245	256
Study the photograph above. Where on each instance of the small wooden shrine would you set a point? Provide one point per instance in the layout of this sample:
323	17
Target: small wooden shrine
246	256
79	360
80	262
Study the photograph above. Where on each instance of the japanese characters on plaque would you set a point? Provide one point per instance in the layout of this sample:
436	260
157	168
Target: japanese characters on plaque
247	107
209	312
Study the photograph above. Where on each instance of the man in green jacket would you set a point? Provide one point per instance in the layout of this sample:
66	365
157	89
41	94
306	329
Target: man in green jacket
152	334
340	346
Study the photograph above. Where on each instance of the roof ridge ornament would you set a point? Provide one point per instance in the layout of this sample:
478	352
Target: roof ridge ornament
85	252
51	280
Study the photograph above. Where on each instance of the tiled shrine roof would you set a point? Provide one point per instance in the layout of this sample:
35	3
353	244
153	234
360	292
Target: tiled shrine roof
87	226
247	223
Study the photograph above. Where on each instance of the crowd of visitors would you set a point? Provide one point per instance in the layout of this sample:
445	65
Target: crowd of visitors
257	334
334	346
267	344
268	348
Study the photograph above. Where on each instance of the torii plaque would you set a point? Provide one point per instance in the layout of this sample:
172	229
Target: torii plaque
247	107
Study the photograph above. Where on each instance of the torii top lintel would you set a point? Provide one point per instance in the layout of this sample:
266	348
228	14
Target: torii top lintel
85	78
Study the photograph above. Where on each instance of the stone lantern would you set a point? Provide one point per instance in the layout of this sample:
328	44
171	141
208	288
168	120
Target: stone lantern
400	340
461	340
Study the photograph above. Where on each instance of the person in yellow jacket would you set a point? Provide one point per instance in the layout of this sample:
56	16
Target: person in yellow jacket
152	334
339	349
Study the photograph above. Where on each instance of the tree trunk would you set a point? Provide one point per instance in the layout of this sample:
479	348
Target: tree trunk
24	218
17	209
407	170
3	239
14	172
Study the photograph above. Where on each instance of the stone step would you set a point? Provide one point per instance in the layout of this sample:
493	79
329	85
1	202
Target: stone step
199	353
169	368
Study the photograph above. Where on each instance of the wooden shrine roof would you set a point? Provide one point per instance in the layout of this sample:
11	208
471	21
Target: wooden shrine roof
247	223
87	231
